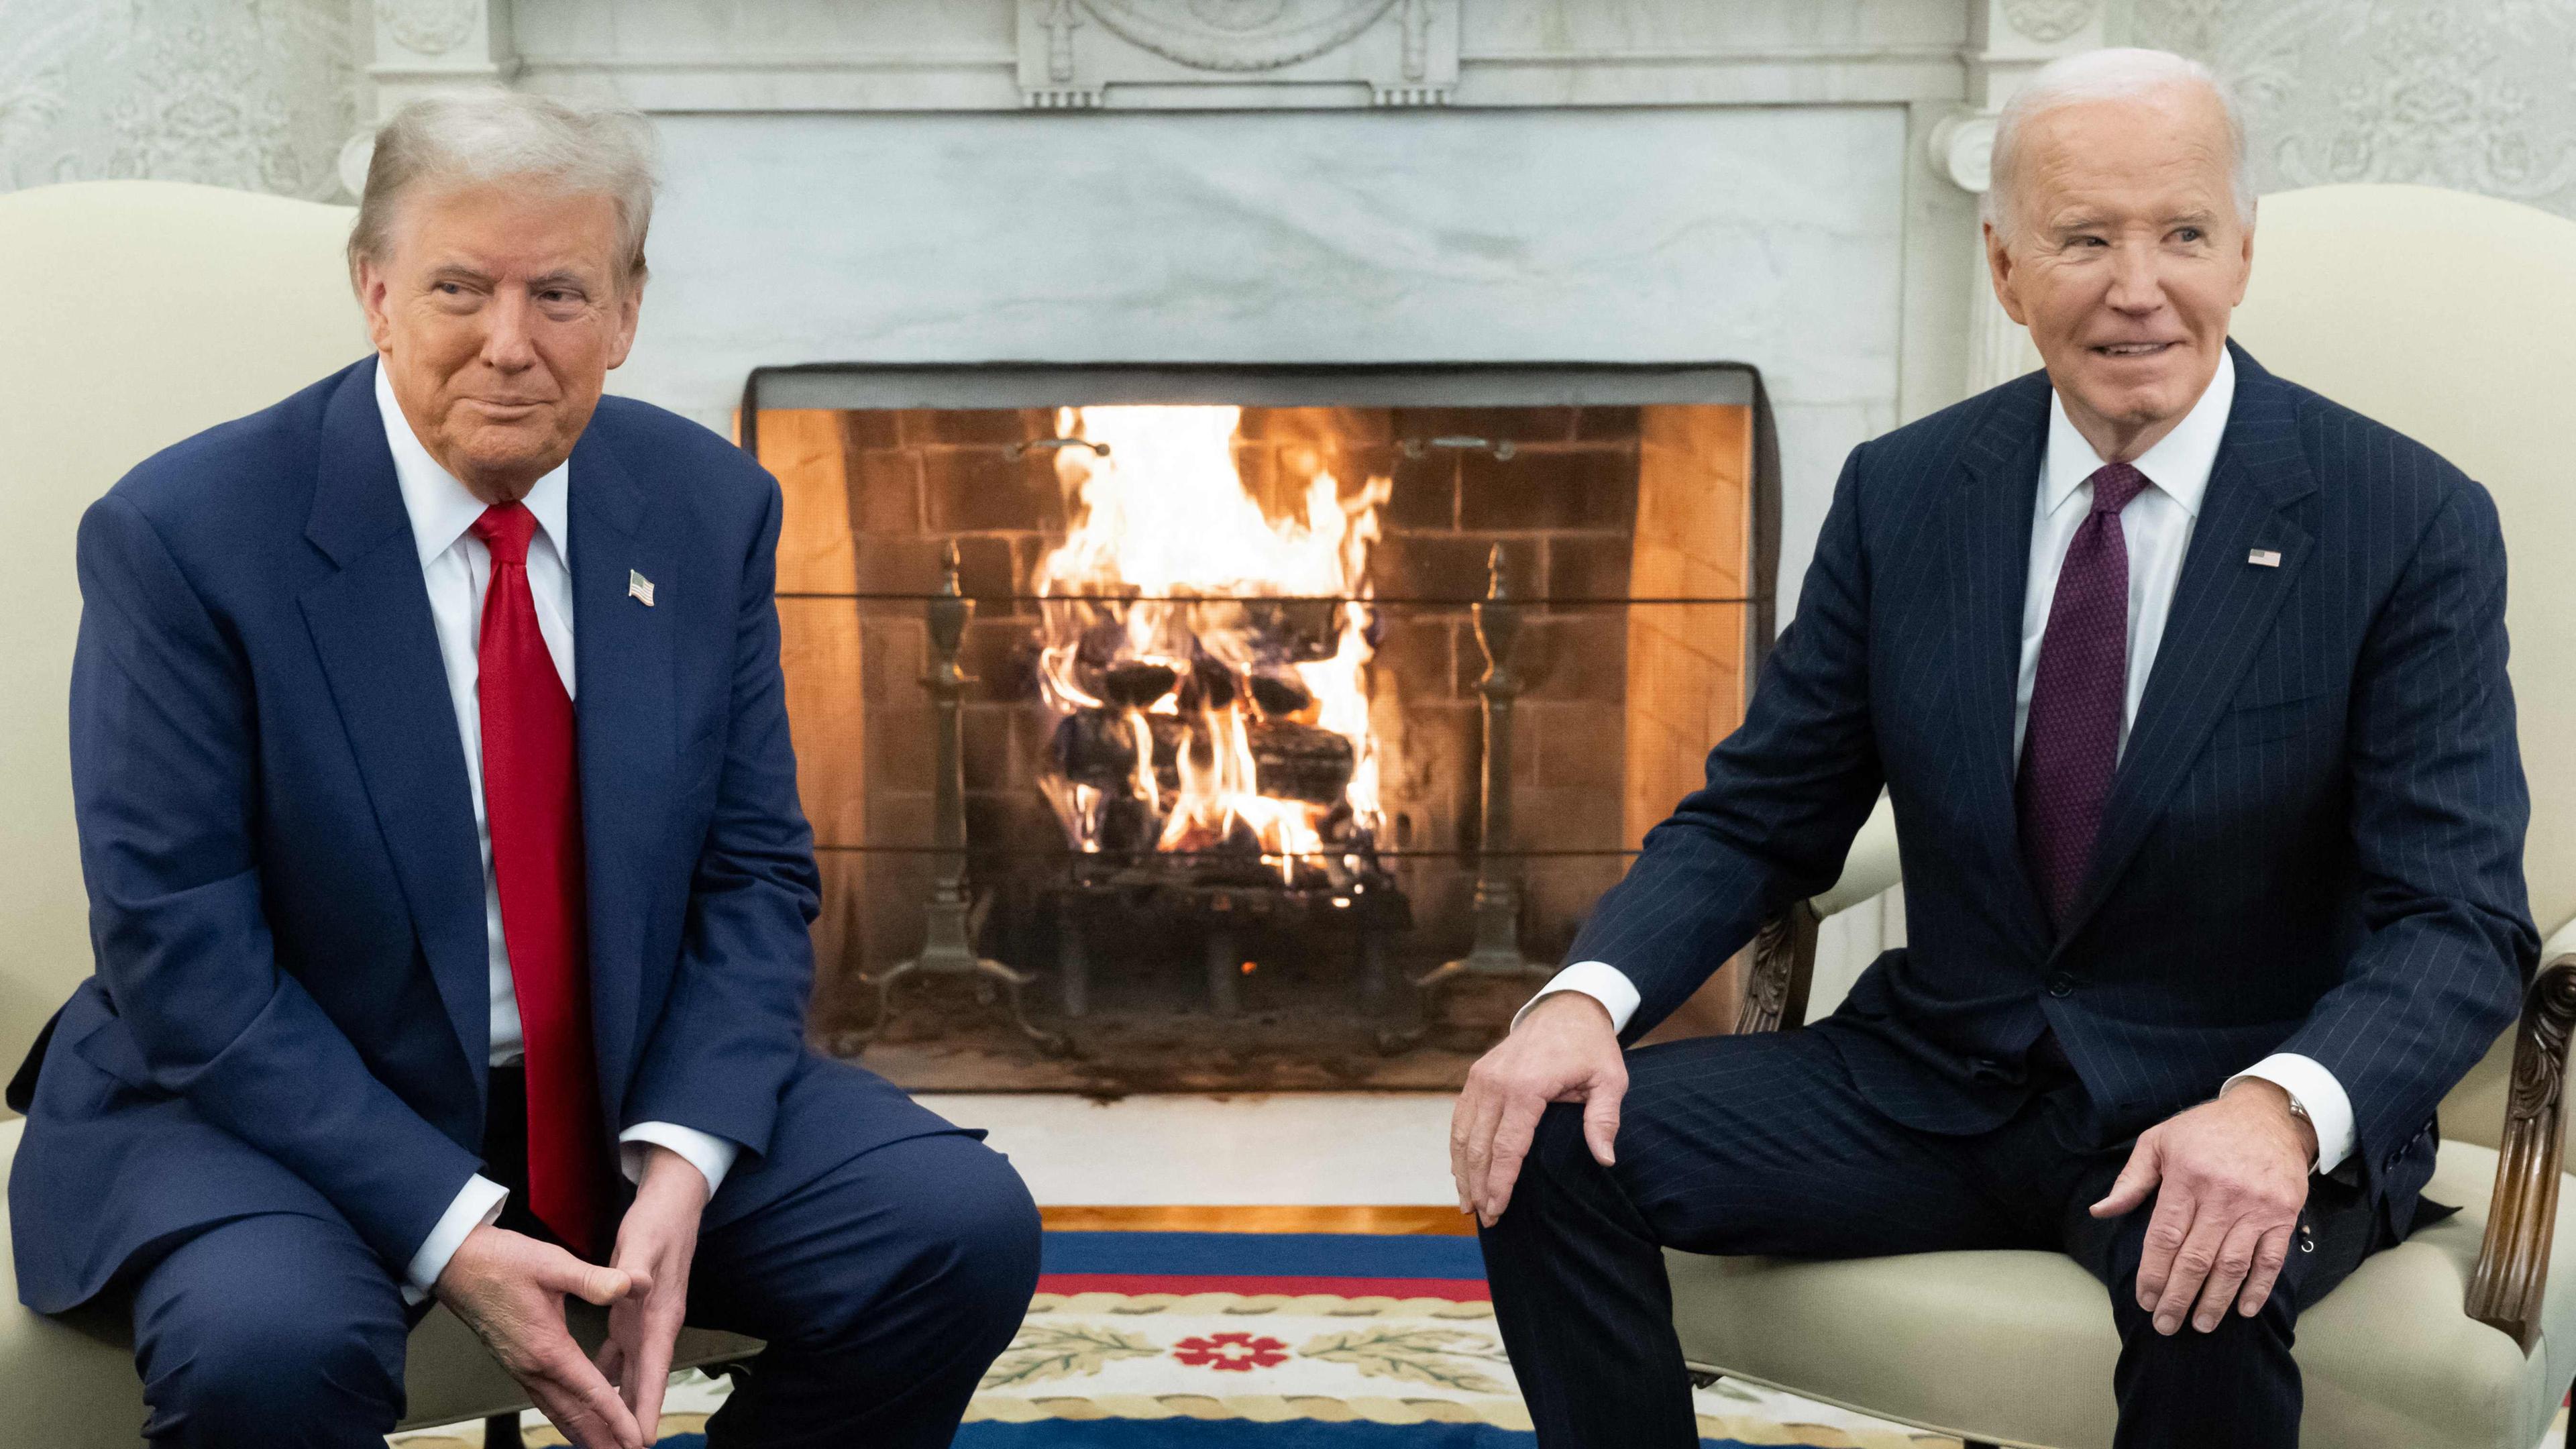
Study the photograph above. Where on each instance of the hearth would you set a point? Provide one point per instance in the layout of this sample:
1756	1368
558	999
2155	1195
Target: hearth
1204	714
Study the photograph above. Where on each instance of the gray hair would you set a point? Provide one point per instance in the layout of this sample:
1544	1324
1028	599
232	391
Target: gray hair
2095	75
488	134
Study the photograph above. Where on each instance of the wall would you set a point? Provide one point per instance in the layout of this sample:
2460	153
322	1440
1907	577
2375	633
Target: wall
2472	97
257	96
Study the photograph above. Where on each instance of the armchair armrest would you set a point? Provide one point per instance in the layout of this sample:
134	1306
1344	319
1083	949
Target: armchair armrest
1784	954
2513	1263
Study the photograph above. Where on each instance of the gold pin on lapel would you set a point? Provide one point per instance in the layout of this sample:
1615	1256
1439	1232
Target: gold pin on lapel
2260	558
640	587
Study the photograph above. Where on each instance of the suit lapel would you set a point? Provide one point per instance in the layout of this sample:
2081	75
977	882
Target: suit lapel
628	733
371	627
2223	607
1990	518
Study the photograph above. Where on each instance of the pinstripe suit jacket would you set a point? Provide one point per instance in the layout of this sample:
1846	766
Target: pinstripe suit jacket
2313	842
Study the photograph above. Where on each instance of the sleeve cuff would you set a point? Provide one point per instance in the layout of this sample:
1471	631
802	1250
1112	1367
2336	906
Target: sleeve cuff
2315	1089
477	1205
711	1155
1599	980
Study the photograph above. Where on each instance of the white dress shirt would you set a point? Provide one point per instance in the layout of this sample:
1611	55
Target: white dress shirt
456	568
2156	525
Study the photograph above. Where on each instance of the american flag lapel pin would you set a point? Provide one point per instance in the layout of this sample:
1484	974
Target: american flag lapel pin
2262	558
640	587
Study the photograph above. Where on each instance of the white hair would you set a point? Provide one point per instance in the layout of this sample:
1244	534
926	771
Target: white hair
2096	75
491	134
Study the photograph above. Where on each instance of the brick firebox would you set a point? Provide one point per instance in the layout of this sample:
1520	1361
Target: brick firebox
1595	508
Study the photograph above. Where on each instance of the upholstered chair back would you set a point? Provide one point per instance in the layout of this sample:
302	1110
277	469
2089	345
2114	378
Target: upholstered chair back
2448	317
138	313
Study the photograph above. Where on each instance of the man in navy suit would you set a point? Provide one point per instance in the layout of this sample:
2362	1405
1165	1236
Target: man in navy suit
450	892
2189	689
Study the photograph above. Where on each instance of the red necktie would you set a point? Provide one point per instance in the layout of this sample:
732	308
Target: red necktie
532	799
2071	741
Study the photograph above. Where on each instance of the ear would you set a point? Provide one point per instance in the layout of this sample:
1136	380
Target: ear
2244	266
373	289
630	309
1999	267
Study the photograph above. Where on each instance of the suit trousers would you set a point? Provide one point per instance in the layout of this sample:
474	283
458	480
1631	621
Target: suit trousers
1762	1145
883	1288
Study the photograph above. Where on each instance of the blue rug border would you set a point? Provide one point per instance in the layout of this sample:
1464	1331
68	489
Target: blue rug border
1296	1255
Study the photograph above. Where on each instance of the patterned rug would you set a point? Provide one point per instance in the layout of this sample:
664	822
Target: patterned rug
1271	1340
1141	1340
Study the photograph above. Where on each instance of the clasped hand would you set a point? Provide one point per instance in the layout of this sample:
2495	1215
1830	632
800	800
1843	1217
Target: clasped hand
509	1288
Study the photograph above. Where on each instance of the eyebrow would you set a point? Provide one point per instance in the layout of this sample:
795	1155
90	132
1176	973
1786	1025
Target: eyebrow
2086	220
460	272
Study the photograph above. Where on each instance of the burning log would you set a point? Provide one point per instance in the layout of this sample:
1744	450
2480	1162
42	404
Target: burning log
1278	695
1211	686
1136	683
1301	762
1097	747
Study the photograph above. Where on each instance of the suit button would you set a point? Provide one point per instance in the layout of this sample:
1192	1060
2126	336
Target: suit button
2061	984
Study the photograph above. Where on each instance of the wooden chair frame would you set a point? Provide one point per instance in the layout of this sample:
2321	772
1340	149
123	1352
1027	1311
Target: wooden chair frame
2512	1271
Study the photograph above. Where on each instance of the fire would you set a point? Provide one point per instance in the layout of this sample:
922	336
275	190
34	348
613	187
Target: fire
1208	664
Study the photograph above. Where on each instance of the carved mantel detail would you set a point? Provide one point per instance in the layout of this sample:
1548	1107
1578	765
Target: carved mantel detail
425	45
1238	35
1239	52
428	27
2049	21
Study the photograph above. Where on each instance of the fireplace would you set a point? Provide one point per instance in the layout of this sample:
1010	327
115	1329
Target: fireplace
1221	642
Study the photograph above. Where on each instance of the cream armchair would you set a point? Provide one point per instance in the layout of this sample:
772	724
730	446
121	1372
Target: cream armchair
150	311
2446	316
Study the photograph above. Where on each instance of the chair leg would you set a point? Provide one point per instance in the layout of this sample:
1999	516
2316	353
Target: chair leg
501	1431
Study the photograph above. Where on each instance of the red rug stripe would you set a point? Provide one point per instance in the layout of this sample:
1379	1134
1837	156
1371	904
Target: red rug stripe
1456	1290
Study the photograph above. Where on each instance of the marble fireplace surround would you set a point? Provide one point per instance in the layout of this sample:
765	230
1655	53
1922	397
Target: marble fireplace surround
1788	184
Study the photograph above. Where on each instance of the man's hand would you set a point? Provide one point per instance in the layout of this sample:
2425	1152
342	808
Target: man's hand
1564	1050
509	1289
655	1243
2234	1174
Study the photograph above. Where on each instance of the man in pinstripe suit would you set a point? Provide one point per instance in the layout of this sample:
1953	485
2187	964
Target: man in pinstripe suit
2189	688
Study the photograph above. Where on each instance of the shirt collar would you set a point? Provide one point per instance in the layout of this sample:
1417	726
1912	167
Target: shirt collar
2179	463
441	508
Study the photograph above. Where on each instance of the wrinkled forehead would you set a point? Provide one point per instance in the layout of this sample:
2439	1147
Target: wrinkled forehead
2167	152
512	226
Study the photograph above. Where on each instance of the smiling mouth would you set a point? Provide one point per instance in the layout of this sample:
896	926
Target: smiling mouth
2134	349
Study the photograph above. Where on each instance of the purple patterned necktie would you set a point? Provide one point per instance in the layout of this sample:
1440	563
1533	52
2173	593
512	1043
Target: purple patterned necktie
2072	738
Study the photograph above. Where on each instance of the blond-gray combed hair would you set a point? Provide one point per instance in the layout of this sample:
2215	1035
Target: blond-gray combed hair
490	135
2097	75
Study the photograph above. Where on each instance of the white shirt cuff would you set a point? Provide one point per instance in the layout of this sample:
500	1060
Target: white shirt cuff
2315	1089
1599	980
711	1155
477	1205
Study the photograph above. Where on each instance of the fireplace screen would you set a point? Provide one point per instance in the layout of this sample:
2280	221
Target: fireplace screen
1237	727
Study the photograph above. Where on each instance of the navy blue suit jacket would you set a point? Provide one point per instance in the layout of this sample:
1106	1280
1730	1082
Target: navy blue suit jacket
291	1005
2313	842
